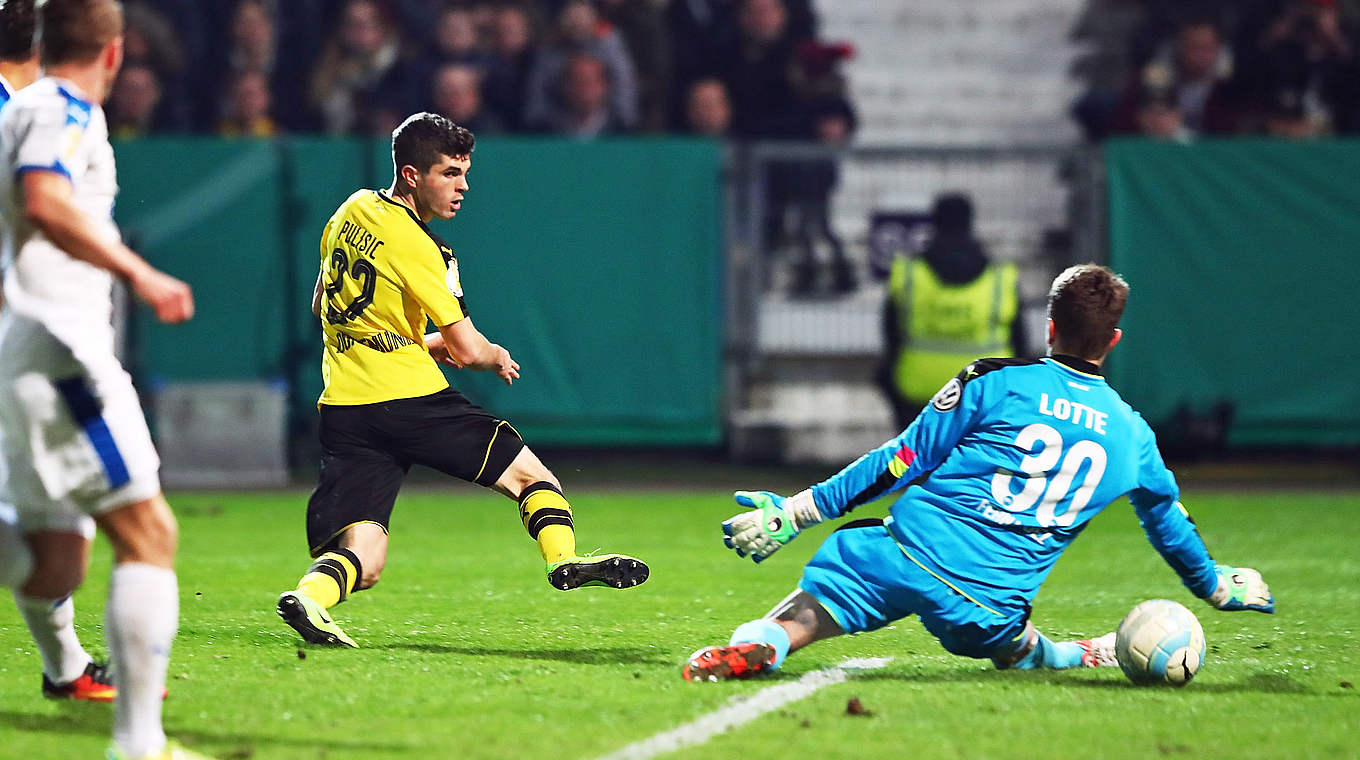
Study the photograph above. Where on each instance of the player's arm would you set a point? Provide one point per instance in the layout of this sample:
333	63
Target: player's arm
316	296
458	342
773	520
48	206
1172	533
466	346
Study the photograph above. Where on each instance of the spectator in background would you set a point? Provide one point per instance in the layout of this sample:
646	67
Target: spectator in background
253	38
352	86
812	107
945	309
252	53
254	41
1188	81
641	25
759	68
583	108
457	39
455	92
133	106
708	111
512	57
246	112
149	40
1158	114
579	33
1304	49
806	193
702	32
1284	115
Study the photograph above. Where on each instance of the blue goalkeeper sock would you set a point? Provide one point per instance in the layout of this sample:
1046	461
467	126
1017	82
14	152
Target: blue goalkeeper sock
1051	655
764	631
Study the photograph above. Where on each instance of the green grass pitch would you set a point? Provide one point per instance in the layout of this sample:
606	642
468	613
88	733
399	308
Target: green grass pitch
466	652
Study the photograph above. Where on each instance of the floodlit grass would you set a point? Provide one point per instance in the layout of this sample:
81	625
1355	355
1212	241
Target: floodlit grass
466	652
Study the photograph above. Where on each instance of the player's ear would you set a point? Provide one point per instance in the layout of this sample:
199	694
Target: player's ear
410	174
111	57
1052	331
1118	333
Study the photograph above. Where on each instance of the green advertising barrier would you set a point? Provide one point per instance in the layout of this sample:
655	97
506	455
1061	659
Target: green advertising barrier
1242	257
598	265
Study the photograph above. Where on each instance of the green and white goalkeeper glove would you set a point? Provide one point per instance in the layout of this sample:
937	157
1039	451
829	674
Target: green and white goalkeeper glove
772	522
1241	588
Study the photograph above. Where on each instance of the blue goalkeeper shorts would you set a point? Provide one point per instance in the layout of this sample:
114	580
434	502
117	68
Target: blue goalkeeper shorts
866	580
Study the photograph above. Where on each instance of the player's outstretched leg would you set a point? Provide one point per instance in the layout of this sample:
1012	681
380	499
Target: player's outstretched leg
1033	650
548	519
756	647
760	646
329	581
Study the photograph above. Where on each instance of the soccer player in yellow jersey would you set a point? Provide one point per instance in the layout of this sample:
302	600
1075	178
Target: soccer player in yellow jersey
386	404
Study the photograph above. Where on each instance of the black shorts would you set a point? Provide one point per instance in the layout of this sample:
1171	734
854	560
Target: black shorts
367	449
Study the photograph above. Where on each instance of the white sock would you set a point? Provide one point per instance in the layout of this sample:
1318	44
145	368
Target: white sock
54	632
141	620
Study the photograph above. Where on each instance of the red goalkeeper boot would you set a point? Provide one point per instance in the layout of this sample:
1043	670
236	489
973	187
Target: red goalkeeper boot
728	662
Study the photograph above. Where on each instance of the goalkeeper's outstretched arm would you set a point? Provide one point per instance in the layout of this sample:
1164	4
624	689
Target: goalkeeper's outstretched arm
1169	527
772	520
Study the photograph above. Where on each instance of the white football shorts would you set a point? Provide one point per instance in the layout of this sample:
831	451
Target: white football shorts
73	439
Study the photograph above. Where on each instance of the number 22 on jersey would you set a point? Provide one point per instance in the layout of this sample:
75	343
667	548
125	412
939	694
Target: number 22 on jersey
364	273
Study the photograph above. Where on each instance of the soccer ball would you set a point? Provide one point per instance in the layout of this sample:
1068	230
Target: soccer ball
1158	642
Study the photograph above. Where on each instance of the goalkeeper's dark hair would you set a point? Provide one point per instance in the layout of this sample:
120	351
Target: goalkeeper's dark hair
1085	304
18	23
424	137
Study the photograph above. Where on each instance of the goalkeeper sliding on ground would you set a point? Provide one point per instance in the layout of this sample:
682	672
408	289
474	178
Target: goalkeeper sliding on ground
1004	468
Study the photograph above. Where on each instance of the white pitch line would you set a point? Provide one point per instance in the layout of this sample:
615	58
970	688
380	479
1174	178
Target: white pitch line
744	710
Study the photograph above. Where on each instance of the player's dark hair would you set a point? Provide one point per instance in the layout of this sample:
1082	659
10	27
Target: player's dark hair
1085	304
17	22
424	137
76	31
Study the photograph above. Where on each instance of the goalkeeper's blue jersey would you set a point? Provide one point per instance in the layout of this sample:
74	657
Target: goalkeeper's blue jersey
1007	465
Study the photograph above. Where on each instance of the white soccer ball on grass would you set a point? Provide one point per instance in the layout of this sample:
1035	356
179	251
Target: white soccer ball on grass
1160	642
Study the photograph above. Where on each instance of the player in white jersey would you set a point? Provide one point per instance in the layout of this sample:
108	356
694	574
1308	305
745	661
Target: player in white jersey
72	435
68	671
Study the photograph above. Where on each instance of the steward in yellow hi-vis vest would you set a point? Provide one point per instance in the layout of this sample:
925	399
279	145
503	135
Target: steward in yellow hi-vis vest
386	405
946	309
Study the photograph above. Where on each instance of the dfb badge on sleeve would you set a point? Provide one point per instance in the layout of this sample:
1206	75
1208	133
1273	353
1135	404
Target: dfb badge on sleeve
451	279
948	397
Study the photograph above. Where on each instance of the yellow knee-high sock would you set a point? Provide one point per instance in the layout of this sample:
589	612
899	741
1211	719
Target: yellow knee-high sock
547	516
331	577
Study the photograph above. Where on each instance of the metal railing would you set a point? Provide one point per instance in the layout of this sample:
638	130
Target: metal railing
799	293
1033	205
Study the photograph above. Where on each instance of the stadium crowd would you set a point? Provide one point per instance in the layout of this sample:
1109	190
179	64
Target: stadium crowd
1175	69
585	68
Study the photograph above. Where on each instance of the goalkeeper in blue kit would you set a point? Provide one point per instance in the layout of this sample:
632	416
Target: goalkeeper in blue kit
1004	468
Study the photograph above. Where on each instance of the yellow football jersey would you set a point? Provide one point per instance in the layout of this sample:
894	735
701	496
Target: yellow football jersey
382	273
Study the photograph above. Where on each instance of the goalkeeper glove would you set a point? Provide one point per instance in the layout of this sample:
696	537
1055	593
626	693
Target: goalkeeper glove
773	522
1241	588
